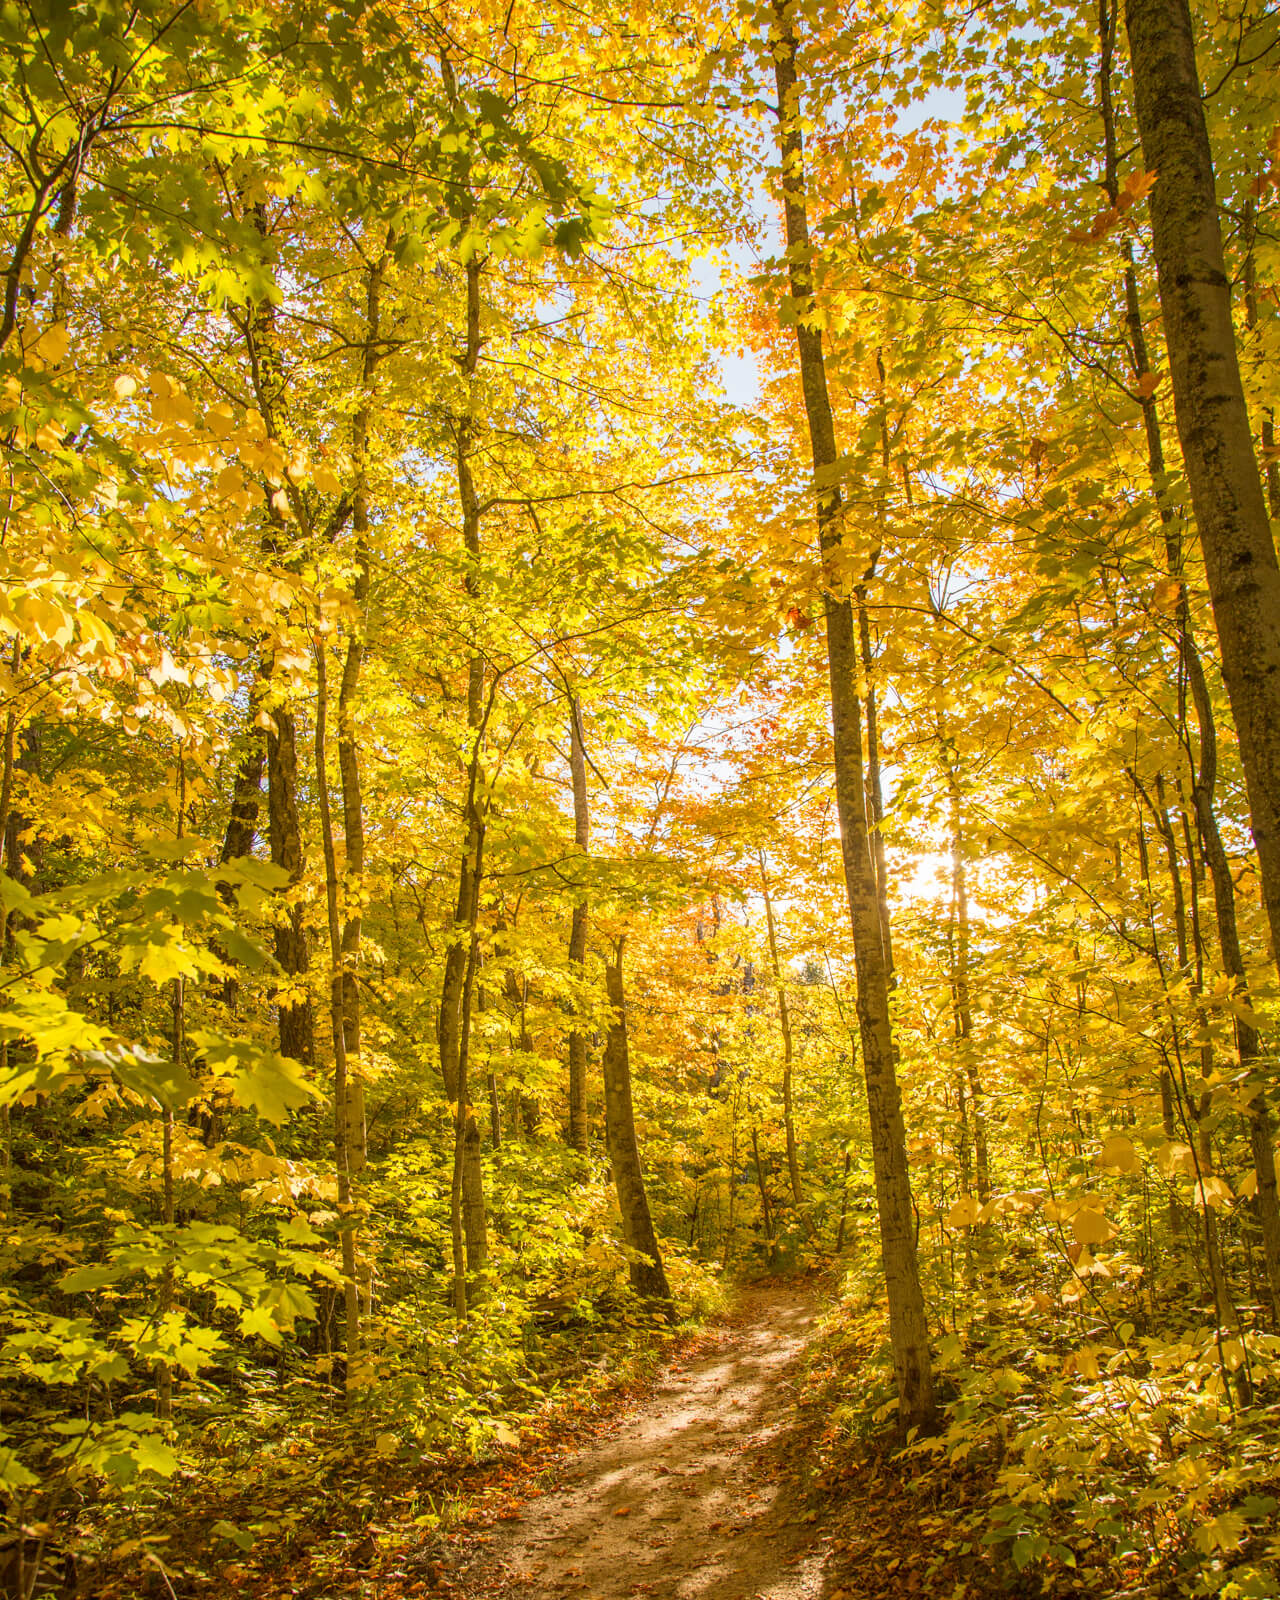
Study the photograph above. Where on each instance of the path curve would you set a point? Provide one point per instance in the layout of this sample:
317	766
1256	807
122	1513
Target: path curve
694	1497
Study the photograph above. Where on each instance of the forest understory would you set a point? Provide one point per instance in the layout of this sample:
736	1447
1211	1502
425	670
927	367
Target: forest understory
639	799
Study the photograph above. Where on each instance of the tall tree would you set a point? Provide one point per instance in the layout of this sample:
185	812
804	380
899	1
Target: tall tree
648	1275
1209	404
908	1324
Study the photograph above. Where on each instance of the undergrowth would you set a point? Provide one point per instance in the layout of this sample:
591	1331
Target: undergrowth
1074	1455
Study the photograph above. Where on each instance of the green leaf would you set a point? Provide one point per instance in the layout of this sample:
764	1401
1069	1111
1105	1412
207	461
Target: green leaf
262	1080
239	1537
240	948
13	1475
154	1455
154	1076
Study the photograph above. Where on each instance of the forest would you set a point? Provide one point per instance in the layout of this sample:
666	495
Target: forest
639	799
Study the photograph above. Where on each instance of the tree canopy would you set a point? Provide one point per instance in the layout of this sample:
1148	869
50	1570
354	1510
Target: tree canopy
638	647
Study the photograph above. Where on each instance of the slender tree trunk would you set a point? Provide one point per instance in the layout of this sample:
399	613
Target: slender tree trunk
578	930
733	1176
341	1095
240	834
908	1324
762	1183
1168	1106
455	995
467	1138
962	1004
24	858
875	791
348	745
6	801
297	1026
1201	1105
648	1276
516	992
784	1021
168	1211
455	1026
844	1202
1209	404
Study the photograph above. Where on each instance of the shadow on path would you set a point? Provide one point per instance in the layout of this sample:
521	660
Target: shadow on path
694	1497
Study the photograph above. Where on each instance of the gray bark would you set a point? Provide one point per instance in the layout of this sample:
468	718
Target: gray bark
648	1276
908	1324
1209	404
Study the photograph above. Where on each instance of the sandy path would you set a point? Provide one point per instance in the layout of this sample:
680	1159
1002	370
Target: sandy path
691	1498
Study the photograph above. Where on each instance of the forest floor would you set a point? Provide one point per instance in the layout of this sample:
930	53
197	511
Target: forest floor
718	1475
696	1495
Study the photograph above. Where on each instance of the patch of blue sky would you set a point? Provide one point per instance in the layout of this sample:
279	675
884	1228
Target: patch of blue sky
740	372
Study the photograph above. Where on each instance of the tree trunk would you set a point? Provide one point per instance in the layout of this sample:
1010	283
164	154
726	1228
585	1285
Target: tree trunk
246	802
455	1027
908	1325
766	1210
348	747
456	990
341	1095
516	992
960	996
1213	421
1204	771
733	1175
24	858
1270	461
578	930
297	1025
648	1277
237	842
875	791
784	1020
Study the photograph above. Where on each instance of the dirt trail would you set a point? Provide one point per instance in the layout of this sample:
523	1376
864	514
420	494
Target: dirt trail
693	1498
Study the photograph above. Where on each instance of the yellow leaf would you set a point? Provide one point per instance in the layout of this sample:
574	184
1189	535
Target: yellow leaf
1083	1361
1118	1155
1212	1191
93	628
51	346
1248	1186
162	961
1091	1227
1173	1158
1232	1354
124	386
964	1212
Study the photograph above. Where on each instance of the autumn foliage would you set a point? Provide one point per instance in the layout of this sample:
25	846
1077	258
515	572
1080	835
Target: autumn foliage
624	664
